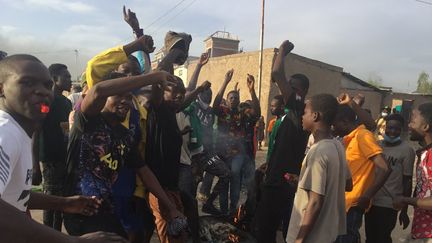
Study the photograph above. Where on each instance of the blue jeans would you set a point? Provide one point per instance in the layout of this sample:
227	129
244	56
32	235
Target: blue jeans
354	222
242	172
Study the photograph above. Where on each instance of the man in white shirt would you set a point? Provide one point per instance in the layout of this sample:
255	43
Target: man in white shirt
25	96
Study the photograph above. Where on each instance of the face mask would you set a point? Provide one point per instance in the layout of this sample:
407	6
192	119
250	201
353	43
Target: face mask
202	104
391	140
384	114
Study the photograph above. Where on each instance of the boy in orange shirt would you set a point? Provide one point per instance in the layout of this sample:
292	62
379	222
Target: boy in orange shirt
363	155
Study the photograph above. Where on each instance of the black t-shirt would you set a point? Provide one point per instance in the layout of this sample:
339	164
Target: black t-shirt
289	148
53	140
96	153
163	146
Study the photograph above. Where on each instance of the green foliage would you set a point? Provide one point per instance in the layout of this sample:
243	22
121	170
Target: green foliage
424	85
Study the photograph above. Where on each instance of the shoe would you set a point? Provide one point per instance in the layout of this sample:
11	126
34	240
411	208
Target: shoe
211	209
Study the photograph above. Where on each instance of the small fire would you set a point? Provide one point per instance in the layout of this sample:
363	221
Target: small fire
233	238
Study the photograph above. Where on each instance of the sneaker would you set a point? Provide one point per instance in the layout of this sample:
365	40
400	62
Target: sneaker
211	209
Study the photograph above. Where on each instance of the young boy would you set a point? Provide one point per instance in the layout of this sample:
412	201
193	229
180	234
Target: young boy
421	130
25	96
381	218
277	195
54	141
232	138
318	214
100	146
368	167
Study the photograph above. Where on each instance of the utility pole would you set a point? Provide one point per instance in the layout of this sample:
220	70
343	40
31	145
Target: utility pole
76	64
261	50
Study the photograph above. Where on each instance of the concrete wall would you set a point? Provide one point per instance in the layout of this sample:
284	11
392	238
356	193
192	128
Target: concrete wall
243	64
417	98
324	78
373	100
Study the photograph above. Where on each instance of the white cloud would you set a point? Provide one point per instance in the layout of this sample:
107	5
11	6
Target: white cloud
62	5
7	29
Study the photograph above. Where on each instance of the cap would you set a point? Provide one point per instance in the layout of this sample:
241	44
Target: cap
172	38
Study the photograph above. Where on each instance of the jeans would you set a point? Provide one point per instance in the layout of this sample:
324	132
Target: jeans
354	222
206	184
379	224
242	172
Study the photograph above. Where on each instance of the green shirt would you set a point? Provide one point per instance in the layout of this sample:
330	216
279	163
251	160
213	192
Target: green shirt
273	136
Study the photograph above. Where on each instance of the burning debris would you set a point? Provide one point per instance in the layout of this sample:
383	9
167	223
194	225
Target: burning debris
218	230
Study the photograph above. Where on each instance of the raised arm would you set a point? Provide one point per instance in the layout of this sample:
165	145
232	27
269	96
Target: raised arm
143	57
104	63
278	70
363	116
218	99
96	97
194	79
255	102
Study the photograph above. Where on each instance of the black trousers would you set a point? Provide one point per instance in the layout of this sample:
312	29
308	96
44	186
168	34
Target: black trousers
274	202
379	224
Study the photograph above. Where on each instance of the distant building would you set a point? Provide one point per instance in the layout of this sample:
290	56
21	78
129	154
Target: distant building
221	43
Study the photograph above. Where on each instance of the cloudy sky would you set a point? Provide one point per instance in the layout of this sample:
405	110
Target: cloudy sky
387	39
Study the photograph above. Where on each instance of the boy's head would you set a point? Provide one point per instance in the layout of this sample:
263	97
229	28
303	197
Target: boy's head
421	122
118	105
178	41
174	95
206	96
25	86
321	109
300	85
130	68
76	88
61	76
394	125
345	120
277	105
233	99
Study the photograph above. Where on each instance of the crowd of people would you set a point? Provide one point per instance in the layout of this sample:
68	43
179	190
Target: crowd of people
124	154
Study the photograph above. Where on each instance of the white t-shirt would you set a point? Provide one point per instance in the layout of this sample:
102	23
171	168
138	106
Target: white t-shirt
15	163
324	171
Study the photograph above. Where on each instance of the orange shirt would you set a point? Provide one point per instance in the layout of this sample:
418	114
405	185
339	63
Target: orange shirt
360	146
271	124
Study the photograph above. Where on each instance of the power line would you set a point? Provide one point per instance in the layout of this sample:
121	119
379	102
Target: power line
173	17
165	14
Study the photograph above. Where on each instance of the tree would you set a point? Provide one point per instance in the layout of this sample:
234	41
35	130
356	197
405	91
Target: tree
424	85
375	80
